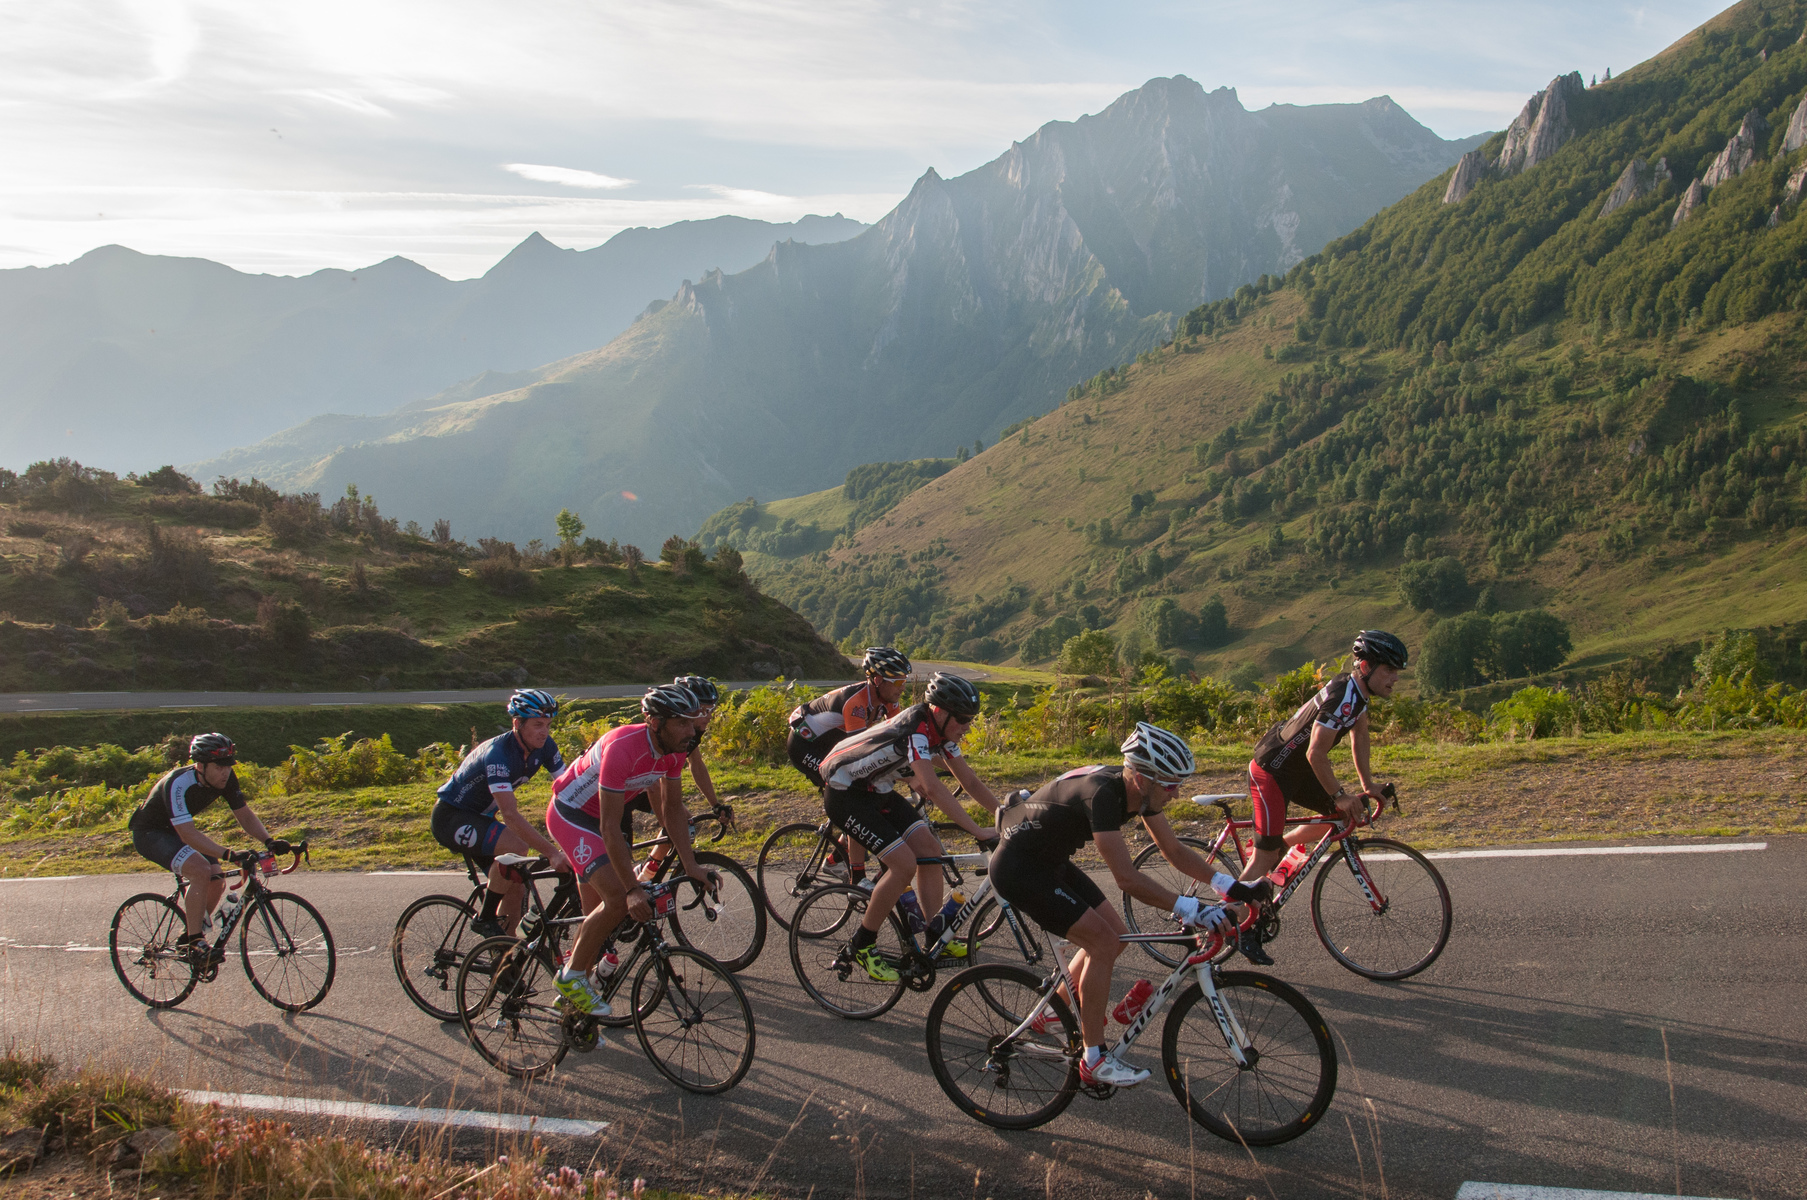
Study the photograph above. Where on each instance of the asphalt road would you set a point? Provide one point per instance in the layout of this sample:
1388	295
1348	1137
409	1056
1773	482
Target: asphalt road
1531	1053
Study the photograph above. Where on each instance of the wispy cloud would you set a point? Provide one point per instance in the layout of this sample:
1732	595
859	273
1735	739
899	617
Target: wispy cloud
747	196
569	176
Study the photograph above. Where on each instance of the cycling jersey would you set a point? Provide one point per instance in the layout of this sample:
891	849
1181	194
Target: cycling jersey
875	758
1282	752
180	796
622	760
498	765
845	710
1062	817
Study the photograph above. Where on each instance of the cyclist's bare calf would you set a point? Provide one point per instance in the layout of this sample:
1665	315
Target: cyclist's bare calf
1096	934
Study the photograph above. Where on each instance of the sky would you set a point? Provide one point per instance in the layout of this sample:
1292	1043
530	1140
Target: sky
285	137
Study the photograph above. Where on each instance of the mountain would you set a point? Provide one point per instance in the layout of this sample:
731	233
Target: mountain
1548	391
975	303
128	360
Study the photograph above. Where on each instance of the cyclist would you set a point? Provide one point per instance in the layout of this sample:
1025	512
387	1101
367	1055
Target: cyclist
586	816
1292	766
818	725
1034	870
707	695
479	815
860	774
163	829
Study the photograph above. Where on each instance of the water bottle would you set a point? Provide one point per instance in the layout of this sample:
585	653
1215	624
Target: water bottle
950	908
229	913
913	910
606	965
1280	874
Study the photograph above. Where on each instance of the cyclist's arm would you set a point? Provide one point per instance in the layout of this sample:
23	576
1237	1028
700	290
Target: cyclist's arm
1116	856
621	855
975	787
922	778
1183	857
699	771
247	821
1318	755
674	817
509	809
192	836
1358	749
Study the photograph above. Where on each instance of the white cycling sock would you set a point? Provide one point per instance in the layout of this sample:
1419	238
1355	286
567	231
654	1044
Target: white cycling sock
567	974
1093	1054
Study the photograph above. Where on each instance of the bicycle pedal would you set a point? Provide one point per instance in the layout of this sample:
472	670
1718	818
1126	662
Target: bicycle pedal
1098	1091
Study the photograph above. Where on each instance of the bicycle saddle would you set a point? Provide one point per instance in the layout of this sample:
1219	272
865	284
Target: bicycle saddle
517	860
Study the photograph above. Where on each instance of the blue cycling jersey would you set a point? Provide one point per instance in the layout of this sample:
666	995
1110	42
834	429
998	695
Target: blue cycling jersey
498	765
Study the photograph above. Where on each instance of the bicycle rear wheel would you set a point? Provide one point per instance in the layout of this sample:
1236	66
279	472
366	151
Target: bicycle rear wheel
790	868
142	943
729	927
1016	1086
287	951
1291	1076
822	956
511	1011
427	947
693	1021
1402	937
1144	918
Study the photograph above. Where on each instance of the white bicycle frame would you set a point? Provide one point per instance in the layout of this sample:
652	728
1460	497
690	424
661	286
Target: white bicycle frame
983	892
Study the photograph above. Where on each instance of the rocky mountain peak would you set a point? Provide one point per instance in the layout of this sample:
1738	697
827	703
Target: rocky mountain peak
1692	199
1637	180
1469	170
1541	127
1739	153
1796	137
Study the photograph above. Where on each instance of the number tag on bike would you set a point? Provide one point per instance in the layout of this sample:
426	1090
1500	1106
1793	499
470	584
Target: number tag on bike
662	904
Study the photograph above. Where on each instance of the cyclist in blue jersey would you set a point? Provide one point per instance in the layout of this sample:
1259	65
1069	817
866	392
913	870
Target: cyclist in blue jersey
478	814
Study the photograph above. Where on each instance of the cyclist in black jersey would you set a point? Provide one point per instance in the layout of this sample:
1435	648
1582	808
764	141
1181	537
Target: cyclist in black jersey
1034	870
163	827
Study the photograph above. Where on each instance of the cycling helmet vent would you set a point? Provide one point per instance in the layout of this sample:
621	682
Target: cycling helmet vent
885	663
1378	646
532	702
1158	752
670	700
704	690
953	694
212	748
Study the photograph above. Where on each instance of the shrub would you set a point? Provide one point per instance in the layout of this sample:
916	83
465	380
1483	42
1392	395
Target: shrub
296	520
168	481
1455	653
338	764
1536	712
197	509
1528	643
257	492
284	622
502	577
1090	653
178	562
1439	583
754	725
1732	656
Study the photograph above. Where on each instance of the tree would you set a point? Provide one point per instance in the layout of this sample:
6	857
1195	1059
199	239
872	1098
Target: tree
1089	653
1528	643
570	527
1455	652
633	556
1214	623
1440	583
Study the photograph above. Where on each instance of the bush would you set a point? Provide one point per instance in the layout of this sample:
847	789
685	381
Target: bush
1732	656
1528	643
284	622
1536	712
754	725
168	481
502	577
1439	583
1455	653
62	767
178	562
296	520
338	764
1090	653
1213	623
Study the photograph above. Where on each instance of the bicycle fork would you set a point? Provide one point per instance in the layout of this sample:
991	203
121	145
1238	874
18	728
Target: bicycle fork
1363	880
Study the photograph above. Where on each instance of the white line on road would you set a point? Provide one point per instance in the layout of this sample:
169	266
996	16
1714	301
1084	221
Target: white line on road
188	706
1528	1191
1567	851
414	872
508	1122
40	878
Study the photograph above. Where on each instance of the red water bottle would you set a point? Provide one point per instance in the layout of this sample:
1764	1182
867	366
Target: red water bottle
1131	1006
1280	874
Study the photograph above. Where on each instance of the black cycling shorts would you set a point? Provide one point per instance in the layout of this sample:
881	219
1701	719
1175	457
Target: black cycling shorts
166	848
875	820
1055	893
807	753
465	832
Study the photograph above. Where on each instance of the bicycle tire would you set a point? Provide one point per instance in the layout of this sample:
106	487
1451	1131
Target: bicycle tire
1394	944
509	1008
146	927
1142	918
1282	1093
735	934
821	958
293	949
968	1020
694	1021
429	942
987	921
783	871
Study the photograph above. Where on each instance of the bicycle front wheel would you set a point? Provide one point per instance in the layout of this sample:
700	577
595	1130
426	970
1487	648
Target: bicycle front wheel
693	1021
822	932
287	951
1145	918
1291	1075
1016	1084
511	1011
729	926
790	867
143	946
1403	929
427	948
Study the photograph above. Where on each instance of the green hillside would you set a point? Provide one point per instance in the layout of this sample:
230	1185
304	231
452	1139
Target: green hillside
1500	405
147	583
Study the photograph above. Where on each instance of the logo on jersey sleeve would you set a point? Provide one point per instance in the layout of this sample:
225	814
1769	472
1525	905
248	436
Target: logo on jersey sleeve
497	771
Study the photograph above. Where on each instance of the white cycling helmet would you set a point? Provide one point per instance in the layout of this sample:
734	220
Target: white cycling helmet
1157	752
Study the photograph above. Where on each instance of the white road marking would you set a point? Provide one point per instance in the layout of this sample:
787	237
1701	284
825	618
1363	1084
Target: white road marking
414	872
1569	851
188	706
1528	1191
41	878
308	1106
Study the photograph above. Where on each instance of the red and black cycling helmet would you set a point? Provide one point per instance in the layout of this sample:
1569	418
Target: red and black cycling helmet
670	700
1378	646
212	748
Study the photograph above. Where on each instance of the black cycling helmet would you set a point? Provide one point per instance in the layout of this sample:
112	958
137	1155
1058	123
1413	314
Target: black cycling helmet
885	663
1377	646
954	695
706	693
670	700
212	748
532	702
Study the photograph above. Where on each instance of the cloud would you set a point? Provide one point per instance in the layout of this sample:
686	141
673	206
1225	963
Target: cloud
745	196
569	176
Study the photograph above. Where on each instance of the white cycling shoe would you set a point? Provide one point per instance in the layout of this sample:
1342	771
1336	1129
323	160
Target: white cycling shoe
1109	1070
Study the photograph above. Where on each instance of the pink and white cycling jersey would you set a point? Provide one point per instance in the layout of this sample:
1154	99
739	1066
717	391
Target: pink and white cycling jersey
624	760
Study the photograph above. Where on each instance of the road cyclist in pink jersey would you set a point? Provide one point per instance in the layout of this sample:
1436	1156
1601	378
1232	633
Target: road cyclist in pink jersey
585	818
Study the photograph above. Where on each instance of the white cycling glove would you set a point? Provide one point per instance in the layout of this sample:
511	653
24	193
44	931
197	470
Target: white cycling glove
1188	910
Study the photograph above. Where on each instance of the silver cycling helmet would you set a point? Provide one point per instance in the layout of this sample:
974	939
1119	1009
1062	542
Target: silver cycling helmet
1159	753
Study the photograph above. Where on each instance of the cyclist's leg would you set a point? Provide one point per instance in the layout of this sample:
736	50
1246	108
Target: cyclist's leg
206	886
1269	803
483	837
1096	934
806	755
860	814
599	887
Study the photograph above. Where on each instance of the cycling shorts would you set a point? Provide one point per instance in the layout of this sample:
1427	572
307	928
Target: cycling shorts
579	835
1055	894
807	753
1270	800
465	832
167	849
875	820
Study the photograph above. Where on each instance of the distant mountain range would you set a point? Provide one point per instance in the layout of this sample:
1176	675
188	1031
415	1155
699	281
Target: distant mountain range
975	303
126	360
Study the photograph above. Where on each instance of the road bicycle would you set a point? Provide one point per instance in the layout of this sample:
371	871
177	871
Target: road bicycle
823	924
689	1013
434	934
1247	1057
1387	917
283	942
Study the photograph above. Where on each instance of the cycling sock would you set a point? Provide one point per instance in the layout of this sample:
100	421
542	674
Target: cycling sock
1093	1054
491	901
935	927
567	973
855	874
864	937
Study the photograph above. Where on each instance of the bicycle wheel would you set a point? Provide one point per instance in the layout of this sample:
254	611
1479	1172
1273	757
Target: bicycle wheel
1143	918
143	947
287	951
822	954
693	1021
790	867
1409	930
729	927
428	945
510	1010
1016	1086
987	921
1291	1075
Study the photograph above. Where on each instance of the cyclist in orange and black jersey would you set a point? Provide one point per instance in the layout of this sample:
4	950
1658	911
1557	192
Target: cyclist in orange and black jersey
818	725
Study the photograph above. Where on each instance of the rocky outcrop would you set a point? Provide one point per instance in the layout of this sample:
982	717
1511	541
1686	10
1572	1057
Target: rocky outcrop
1542	126
1797	183
1693	198
1636	181
1463	179
1796	137
1739	153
